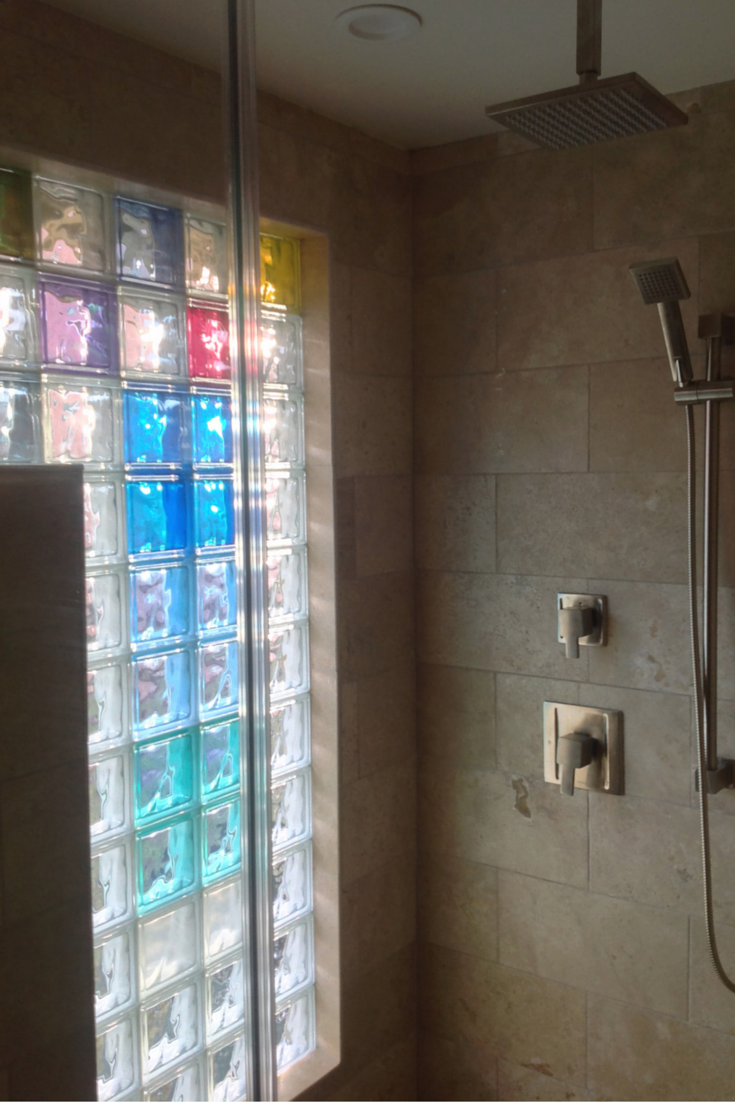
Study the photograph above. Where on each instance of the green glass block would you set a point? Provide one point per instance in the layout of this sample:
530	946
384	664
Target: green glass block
280	283
16	214
164	777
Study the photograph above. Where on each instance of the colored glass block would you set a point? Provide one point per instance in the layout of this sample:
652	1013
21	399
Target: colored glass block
283	429
166	863
225	998
293	954
162	695
287	583
295	1033
108	796
160	601
216	595
163	777
281	349
208	331
79	422
168	946
223	916
103	516
291	885
227	1071
289	735
71	225
20	422
187	1084
289	659
212	428
79	324
218	678
114	982
104	600
156	426
16	214
291	810
157	515
149	242
111	886
18	341
220	764
152	334
206	255
116	1060
106	696
285	507
279	272
214	520
221	840
171	1029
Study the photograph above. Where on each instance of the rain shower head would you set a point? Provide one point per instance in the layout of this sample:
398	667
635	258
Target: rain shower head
662	283
593	110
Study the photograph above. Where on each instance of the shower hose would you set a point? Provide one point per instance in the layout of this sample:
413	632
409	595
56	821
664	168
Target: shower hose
699	706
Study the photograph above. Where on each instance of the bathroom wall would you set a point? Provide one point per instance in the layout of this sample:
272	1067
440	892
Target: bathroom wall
562	951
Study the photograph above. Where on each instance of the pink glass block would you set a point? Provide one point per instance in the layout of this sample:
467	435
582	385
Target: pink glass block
209	343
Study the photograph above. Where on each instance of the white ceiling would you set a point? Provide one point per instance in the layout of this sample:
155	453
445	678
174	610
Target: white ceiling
433	88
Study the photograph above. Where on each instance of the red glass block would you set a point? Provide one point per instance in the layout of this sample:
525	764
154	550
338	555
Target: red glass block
209	343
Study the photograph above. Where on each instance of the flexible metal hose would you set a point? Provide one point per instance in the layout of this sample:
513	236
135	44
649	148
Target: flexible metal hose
699	706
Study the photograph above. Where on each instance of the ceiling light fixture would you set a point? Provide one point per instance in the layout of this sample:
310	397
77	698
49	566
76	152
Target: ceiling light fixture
380	22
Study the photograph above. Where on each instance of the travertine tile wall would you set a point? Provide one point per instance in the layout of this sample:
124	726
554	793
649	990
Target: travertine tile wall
562	950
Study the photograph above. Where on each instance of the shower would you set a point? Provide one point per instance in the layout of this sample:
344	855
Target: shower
662	282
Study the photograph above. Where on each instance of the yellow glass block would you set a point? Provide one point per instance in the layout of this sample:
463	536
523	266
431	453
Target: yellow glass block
280	283
16	214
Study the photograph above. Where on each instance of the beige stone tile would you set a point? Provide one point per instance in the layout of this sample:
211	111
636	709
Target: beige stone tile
386	718
455	1071
503	820
381	323
376	624
383	524
480	424
453	154
371	219
726	644
345	529
387	909
388	1077
378	819
269	172
454	330
68	1060
349	932
458	904
502	622
317	405
372	425
518	1017
519	717
710	1002
448	231
719	97
340	316
456	714
722	841
517	1083
379	1010
309	181
610	946
455	522
537	300
637	1054
349	755
716	273
727	529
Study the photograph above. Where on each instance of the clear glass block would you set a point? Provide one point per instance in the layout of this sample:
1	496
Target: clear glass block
160	603
152	334
80	422
279	271
293	954
171	1029
18	312
287	575
222	919
114	973
283	429
208	332
227	1068
149	242
295	1029
288	648
111	886
187	1084
166	863
20	421
156	426
212	428
206	255
16	214
292	891
225	998
220	762
290	742
216	595
109	796
157	515
71	225
218	678
285	503
104	509
105	601
78	324
220	840
117	1059
162	692
164	780
291	810
281	349
106	703
168	946
214	513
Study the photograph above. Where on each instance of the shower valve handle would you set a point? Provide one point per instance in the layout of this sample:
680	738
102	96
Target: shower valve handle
573	752
574	624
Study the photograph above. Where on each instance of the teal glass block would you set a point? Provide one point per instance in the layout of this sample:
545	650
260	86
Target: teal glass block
166	863
220	760
164	777
220	840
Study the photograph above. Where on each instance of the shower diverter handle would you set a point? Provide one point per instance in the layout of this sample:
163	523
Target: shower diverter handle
575	624
573	751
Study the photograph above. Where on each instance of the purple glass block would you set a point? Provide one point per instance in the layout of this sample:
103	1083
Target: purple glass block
150	242
79	325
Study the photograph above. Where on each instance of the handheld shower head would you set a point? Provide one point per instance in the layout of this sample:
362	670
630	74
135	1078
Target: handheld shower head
662	282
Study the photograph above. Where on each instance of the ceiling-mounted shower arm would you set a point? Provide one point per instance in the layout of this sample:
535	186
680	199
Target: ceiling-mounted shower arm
589	40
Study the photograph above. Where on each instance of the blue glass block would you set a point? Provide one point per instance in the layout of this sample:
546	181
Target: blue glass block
220	759
214	519
216	595
164	777
162	696
221	840
157	519
218	678
166	863
159	603
212	414
155	426
150	242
